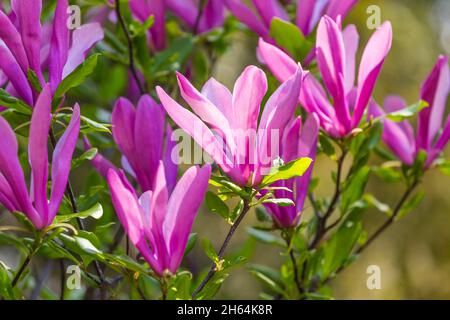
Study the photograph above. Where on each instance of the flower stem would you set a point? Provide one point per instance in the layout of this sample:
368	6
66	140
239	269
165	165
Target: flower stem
130	47
224	246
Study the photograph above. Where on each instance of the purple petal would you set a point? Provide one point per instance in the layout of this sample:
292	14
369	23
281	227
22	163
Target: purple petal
371	62
182	209
28	17
248	93
59	46
434	90
143	9
195	128
82	41
61	162
38	151
269	9
309	13
247	17
351	41
15	75
280	64
213	15
12	39
170	160
148	140
220	97
12	172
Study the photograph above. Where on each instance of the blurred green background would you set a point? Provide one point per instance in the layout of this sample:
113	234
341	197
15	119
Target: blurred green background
414	254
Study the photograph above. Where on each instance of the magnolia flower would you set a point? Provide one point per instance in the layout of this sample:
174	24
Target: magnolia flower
13	189
399	136
336	51
308	13
298	142
24	45
242	147
158	224
187	10
141	144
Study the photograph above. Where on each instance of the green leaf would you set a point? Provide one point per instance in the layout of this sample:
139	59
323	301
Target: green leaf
354	188
290	37
444	166
34	80
262	214
87	155
13	103
96	212
139	29
388	174
282	202
216	205
411	204
78	76
374	202
124	262
192	240
93	126
269	277
6	290
407	112
266	237
209	250
294	168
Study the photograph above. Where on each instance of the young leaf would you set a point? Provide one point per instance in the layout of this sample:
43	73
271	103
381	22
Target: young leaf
13	103
407	112
294	168
216	205
290	37
266	237
209	250
34	80
96	212
78	76
282	202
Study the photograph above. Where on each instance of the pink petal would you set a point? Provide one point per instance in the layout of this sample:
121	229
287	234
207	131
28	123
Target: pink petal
38	152
61	162
371	62
280	64
182	209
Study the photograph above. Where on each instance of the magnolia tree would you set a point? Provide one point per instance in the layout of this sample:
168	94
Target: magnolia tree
184	139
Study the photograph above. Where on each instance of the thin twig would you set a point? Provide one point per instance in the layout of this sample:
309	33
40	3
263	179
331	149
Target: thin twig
322	220
22	268
130	47
391	219
200	8
224	246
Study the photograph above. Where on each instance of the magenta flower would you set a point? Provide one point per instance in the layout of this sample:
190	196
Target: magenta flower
13	189
139	133
336	51
158	224
242	148
186	10
399	136
308	13
298	142
25	46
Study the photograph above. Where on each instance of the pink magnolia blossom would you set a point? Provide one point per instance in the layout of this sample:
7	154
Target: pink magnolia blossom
240	145
336	53
25	44
399	136
298	142
13	189
159	224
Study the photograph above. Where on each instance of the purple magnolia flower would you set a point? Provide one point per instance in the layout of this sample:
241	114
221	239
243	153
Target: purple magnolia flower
336	51
242	148
308	13
159	224
13	189
186	10
139	133
298	142
399	136
25	44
